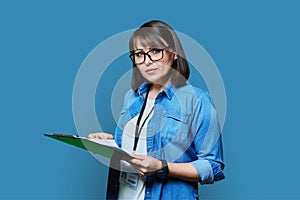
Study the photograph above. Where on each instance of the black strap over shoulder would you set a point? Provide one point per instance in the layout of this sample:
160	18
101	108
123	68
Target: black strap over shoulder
138	129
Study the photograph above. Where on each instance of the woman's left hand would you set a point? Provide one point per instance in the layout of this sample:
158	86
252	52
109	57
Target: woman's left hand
145	165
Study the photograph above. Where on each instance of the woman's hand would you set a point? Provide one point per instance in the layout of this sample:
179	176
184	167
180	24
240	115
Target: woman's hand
145	165
106	136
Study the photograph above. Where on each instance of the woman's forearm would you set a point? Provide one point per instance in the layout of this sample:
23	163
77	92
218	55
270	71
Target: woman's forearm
184	171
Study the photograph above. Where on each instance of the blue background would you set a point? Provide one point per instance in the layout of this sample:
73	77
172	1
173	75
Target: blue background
255	45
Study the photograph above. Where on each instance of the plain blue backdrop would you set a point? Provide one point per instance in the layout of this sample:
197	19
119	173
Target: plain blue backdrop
255	45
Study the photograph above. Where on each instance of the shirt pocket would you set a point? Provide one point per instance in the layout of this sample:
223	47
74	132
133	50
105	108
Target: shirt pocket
175	127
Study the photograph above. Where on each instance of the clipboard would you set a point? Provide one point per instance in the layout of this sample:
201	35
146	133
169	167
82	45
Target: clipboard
106	148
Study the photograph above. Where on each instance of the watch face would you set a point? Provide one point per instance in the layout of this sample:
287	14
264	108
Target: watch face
162	175
160	172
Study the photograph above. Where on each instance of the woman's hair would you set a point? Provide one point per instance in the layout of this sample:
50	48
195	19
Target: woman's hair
156	33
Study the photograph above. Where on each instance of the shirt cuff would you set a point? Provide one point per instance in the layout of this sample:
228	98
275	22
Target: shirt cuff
204	170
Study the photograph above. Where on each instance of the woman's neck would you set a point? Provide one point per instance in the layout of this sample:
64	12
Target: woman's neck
155	89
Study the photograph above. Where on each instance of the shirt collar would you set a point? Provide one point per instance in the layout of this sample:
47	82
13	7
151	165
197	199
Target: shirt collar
169	90
142	89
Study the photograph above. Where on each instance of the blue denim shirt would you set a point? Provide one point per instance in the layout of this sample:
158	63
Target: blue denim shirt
184	128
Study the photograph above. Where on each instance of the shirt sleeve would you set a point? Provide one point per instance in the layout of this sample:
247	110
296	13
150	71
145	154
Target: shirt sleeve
119	128
207	141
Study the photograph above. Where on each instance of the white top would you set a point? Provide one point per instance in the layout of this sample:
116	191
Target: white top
132	186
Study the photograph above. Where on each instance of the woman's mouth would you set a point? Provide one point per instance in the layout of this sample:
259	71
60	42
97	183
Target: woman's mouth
150	70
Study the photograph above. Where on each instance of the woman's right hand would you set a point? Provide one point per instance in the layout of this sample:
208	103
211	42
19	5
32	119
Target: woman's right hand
106	136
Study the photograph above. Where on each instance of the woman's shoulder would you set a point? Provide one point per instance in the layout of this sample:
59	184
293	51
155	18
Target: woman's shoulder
193	91
129	94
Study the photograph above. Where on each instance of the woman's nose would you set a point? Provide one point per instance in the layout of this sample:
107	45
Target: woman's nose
148	60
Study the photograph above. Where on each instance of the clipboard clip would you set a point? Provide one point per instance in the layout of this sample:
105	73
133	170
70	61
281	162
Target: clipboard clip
63	135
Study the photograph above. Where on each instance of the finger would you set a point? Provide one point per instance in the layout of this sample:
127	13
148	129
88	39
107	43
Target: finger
140	173
105	136
140	157
109	136
94	135
139	170
100	136
91	136
136	162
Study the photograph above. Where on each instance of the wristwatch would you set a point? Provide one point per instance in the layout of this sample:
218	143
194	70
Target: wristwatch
162	174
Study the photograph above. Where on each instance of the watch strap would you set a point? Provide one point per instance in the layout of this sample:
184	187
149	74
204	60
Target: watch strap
162	174
165	166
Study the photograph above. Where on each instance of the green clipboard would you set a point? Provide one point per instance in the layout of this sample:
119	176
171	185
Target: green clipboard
89	145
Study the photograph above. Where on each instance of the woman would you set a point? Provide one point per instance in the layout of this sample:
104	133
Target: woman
169	127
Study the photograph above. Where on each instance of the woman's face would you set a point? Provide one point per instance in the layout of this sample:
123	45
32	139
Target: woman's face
157	72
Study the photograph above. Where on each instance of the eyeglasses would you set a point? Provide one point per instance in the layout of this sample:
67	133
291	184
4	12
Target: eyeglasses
139	57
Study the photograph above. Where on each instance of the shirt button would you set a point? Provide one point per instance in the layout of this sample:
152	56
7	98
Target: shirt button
148	192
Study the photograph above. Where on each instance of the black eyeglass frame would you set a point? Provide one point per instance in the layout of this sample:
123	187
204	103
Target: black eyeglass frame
131	56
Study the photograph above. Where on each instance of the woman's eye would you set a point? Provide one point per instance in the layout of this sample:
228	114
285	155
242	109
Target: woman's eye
139	54
155	51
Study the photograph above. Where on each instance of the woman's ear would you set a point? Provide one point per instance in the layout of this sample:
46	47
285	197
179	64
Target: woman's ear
175	57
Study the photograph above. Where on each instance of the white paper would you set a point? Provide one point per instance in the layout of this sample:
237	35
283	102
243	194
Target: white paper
110	143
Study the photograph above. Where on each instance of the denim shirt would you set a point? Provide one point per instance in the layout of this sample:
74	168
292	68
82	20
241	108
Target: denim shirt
184	128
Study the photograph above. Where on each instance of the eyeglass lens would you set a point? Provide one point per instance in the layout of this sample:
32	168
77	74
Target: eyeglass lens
153	54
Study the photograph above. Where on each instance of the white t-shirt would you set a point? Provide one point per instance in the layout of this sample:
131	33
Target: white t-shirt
132	186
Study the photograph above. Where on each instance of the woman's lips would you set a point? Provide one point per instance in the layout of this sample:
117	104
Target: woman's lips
151	70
